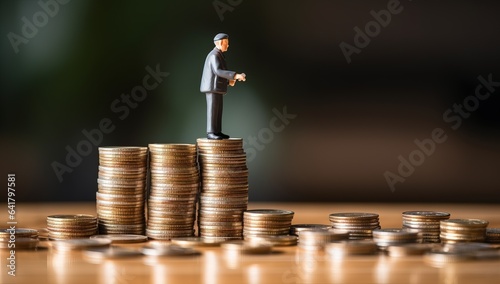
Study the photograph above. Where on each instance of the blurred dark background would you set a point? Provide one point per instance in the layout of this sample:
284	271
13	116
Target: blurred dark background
353	120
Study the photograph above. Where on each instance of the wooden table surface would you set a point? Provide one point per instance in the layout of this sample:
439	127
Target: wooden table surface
285	265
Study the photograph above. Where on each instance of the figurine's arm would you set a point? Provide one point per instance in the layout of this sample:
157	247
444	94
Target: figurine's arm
217	69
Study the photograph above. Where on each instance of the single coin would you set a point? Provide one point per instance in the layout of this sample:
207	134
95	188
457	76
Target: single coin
122	239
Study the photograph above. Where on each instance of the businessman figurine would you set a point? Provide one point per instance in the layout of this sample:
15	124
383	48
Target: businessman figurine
214	82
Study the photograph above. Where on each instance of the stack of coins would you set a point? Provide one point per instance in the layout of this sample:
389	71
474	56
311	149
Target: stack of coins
224	191
316	240
463	230
425	223
121	190
174	189
65	227
359	225
20	238
493	235
390	237
266	222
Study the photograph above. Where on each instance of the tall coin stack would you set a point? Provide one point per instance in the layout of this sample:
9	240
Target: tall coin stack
463	230
359	225
121	190
266	222
224	191
172	198
425	223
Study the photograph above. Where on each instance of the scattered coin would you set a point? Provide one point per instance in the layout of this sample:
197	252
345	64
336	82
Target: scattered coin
20	243
197	242
403	250
6	233
277	241
351	247
246	247
316	240
169	250
110	253
79	244
122	239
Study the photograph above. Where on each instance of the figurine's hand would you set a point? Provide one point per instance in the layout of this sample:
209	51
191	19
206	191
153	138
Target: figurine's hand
232	82
240	77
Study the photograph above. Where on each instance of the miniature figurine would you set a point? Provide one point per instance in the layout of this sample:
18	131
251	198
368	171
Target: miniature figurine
214	82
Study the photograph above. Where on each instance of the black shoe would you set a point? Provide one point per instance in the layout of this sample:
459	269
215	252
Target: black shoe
214	136
224	136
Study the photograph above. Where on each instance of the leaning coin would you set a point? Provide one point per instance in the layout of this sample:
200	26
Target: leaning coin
122	238
169	250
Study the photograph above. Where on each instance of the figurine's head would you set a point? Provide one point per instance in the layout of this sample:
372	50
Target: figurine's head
221	41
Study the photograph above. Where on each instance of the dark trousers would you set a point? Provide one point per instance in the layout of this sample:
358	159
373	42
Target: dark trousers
214	113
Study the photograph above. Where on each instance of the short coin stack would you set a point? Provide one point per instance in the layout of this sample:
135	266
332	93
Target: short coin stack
359	225
175	183
224	192
121	190
463	230
266	222
493	235
20	238
425	223
65	227
390	237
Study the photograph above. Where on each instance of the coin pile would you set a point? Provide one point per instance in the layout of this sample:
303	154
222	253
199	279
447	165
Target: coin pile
20	238
316	240
121	190
390	237
266	222
425	223
493	235
64	227
174	189
224	191
359	225
463	230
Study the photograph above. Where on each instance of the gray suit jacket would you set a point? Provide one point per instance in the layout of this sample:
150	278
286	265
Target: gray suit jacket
215	76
